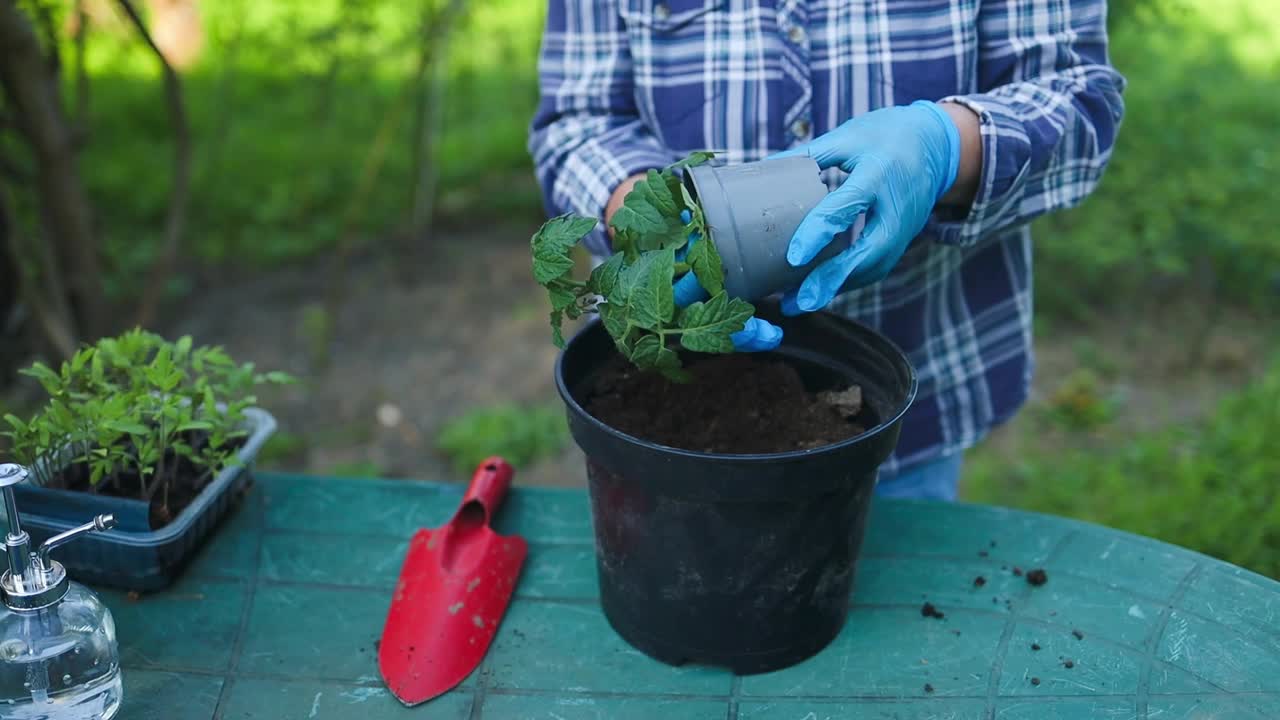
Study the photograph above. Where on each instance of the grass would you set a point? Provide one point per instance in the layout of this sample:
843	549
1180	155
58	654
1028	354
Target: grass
1212	485
523	434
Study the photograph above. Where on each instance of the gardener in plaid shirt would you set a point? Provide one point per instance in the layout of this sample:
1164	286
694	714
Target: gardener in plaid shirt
950	124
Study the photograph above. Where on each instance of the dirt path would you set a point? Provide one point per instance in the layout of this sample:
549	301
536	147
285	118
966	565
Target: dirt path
470	330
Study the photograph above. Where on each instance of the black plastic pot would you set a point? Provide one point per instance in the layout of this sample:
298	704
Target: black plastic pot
132	556
752	210
744	561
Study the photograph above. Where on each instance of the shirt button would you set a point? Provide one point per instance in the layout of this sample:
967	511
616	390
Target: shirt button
800	128
797	35
661	11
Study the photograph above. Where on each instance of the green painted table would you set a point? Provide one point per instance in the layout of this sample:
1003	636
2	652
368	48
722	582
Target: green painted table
278	617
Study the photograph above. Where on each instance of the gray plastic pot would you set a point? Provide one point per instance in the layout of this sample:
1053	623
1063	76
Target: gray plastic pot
752	210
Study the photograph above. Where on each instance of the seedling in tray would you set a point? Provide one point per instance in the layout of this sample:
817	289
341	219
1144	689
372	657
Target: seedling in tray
138	416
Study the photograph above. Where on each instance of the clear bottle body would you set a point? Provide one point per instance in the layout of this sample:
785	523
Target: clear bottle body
60	663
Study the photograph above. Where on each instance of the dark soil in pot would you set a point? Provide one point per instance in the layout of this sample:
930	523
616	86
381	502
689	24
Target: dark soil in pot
185	481
735	404
743	559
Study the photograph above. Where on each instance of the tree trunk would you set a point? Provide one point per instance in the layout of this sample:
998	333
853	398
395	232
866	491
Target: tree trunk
176	220
40	117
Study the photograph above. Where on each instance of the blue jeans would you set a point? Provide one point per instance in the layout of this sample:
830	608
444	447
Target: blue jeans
935	480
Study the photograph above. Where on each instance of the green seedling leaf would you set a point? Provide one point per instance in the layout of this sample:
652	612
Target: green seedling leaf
78	361
194	425
553	243
96	370
604	278
646	286
129	428
48	379
557	328
707	326
704	262
651	352
562	296
698	221
614	318
650	216
691	160
632	290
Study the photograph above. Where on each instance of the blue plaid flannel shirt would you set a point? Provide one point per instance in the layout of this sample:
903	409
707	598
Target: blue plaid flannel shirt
628	85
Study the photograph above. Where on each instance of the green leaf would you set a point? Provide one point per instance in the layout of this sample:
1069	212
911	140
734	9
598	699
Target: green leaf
650	215
553	243
698	221
704	262
217	357
691	160
645	351
614	318
16	422
675	373
48	379
79	359
626	341
96	369
650	352
646	286
279	378
562	295
183	346
604	278
707	326
557	328
163	361
194	425
170	380
127	427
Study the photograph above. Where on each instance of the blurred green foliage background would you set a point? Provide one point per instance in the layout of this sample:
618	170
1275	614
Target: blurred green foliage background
288	97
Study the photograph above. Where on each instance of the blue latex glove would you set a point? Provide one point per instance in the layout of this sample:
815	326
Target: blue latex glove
901	161
756	336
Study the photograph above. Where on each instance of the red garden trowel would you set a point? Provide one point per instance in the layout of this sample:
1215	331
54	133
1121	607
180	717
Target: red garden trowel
454	588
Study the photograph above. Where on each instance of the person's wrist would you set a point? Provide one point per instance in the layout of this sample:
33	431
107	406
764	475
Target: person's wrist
951	146
969	123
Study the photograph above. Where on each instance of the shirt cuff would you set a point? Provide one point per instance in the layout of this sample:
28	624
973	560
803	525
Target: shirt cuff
595	169
1005	156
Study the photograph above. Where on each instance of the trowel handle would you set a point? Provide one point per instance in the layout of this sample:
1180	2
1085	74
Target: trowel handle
490	483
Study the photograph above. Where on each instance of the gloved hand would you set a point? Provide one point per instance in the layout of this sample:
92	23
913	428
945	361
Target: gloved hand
901	161
756	336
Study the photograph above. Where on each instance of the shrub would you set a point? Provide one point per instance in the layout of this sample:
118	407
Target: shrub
520	434
1212	486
